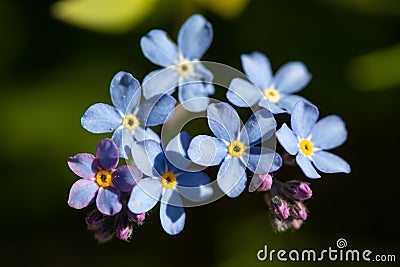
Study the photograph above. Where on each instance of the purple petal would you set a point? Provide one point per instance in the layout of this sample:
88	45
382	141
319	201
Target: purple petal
125	177
84	165
82	193
107	154
108	201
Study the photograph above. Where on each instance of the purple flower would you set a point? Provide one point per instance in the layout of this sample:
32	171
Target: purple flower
300	190
101	179
261	182
280	208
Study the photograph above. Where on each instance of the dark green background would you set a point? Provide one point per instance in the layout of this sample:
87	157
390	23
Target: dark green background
51	72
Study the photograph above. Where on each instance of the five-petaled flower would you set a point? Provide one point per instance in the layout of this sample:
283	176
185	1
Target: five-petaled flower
266	90
167	181
101	180
235	148
181	63
127	119
308	139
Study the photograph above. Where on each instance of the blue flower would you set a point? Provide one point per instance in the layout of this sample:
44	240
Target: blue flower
167	181
101	179
235	148
266	90
181	63
309	139
127	119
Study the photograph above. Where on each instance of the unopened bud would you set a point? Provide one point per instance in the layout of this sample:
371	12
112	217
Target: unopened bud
124	229
296	224
280	208
299	211
137	218
300	190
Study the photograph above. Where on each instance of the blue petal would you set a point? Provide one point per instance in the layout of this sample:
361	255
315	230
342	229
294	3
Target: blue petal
125	92
145	133
194	96
274	108
123	139
107	154
207	151
260	127
288	140
276	165
261	159
101	118
231	177
303	118
287	102
243	94
172	214
205	75
257	66
306	166
149	157
145	195
291	77
195	36
329	132
223	121
163	81
84	165
108	201
330	163
194	186
82	193
125	177
176	150
156	110
159	49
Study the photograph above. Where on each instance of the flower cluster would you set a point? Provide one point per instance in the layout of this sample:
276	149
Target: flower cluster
174	173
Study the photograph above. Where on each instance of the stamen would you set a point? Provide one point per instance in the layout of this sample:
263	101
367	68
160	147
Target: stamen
184	68
103	178
272	95
168	180
130	122
236	149
306	147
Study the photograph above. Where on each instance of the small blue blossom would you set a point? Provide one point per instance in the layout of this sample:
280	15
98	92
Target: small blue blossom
167	181
101	180
127	119
236	149
181	63
266	90
309	139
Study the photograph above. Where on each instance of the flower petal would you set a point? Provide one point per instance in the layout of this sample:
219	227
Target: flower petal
125	92
108	201
107	154
176	150
260	127
145	133
206	150
329	132
149	158
231	177
145	195
262	159
162	81
101	118
291	77
84	165
123	139
194	186
274	108
158	48
125	177
156	110
204	75
172	214
306	166
287	102
82	193
194	96
223	121
243	94
303	118
330	163
288	140
257	66
195	37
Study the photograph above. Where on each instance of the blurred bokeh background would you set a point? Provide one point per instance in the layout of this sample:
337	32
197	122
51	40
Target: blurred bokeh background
57	58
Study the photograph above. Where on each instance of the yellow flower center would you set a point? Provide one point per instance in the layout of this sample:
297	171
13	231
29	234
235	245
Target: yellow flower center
306	147
168	180
184	68
272	95
130	122
103	178
236	149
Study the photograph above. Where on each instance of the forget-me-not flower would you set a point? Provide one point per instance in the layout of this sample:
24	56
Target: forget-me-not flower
309	139
181	63
101	180
271	92
127	119
235	147
167	181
